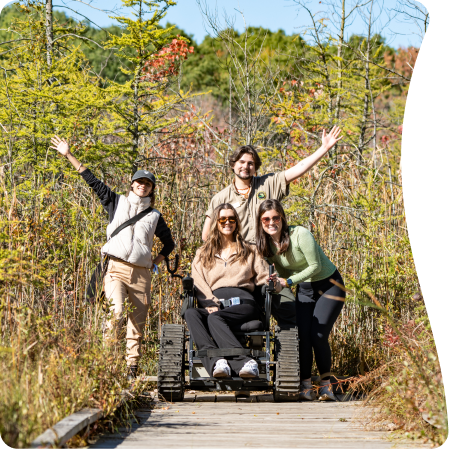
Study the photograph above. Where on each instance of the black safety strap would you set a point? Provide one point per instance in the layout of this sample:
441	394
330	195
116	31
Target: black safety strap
131	221
229	352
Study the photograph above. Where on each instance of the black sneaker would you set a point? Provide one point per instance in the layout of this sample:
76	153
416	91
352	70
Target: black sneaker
132	373
325	393
307	393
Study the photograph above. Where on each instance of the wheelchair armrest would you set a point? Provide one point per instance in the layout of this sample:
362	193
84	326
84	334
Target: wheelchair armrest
191	301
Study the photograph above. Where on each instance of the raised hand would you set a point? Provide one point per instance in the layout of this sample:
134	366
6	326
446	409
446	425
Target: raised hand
332	138
60	145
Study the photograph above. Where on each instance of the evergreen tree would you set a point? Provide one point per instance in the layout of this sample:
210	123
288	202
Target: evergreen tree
141	105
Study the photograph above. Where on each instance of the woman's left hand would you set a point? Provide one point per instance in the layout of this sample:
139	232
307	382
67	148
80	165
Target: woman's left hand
277	284
283	282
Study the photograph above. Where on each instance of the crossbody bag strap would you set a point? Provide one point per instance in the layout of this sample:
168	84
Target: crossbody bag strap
131	221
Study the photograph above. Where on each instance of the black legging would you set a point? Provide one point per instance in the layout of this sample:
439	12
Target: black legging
317	309
213	330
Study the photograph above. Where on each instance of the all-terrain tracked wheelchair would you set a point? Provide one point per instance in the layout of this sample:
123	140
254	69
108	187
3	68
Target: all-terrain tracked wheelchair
275	353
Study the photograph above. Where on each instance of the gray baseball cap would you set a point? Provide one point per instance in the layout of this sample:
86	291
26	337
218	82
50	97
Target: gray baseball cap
144	174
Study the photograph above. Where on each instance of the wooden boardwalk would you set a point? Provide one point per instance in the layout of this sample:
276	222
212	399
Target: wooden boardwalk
209	421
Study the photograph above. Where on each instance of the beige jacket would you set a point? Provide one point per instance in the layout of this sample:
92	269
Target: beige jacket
252	272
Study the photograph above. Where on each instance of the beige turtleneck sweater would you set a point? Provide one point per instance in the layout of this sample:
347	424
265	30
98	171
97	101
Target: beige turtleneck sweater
248	274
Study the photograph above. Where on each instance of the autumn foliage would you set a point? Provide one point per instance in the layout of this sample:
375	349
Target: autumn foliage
166	62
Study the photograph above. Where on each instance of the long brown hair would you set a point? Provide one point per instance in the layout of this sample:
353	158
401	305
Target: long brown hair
212	245
262	238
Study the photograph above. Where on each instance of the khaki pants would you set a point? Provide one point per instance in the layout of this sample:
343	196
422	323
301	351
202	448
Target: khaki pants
127	280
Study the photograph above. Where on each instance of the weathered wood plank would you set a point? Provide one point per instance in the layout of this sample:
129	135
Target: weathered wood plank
241	424
237	443
61	432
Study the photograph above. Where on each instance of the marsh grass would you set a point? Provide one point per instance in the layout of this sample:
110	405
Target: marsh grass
405	392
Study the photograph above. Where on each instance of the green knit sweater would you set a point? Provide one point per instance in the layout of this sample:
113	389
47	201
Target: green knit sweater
304	260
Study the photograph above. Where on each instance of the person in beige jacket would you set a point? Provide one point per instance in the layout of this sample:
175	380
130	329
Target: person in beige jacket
130	251
225	267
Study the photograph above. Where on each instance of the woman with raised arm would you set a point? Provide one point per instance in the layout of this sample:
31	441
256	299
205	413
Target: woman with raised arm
301	262
129	250
225	267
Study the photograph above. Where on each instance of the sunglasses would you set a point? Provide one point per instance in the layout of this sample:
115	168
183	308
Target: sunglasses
266	220
223	220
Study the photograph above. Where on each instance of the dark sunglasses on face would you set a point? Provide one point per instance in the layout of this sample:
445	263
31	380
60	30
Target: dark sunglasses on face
223	220
266	220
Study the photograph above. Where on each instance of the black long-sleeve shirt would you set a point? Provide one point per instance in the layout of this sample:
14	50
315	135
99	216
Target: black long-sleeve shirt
109	201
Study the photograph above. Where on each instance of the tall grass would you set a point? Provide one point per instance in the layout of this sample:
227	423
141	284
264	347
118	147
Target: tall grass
53	359
407	389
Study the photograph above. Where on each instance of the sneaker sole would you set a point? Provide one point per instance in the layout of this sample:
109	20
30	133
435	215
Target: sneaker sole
248	376
305	398
325	397
220	375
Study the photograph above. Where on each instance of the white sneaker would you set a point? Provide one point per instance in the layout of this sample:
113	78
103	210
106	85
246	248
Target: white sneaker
221	369
250	369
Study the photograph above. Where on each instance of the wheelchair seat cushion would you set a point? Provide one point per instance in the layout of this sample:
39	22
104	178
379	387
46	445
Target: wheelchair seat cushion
250	326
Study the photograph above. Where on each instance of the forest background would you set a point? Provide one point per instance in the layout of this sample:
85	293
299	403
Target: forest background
140	95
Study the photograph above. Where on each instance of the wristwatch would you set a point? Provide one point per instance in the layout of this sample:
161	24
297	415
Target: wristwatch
289	282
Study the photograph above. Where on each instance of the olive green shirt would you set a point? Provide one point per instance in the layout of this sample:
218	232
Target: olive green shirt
271	186
304	260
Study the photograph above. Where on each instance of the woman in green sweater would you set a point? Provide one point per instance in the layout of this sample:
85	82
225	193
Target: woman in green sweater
301	262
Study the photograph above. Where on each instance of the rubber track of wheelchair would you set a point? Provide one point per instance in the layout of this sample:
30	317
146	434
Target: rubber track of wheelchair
171	361
287	366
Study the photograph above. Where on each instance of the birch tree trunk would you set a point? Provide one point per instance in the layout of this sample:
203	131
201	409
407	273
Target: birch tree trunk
49	30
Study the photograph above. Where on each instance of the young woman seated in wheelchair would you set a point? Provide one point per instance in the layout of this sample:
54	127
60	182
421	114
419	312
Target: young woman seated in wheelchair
225	267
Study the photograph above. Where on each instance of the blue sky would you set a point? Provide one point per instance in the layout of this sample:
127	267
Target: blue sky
272	14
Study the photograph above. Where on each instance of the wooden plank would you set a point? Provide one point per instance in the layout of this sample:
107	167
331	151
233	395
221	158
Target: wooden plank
230	439
189	398
65	429
206	398
249	399
163	443
154	378
265	398
241	424
226	398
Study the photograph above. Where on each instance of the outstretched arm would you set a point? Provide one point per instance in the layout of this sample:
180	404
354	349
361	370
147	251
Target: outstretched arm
62	146
206	228
328	141
108	198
